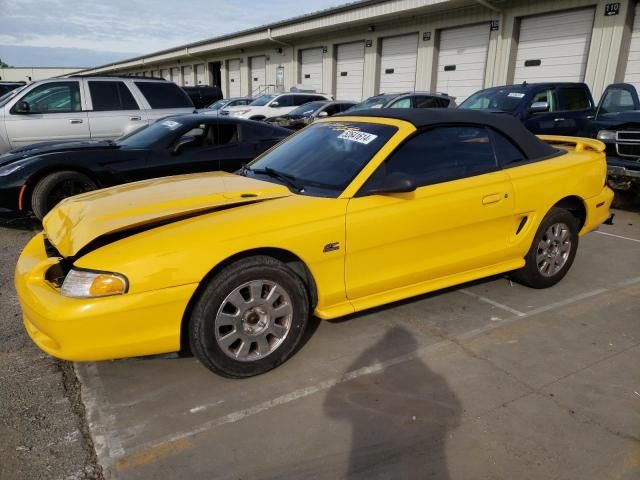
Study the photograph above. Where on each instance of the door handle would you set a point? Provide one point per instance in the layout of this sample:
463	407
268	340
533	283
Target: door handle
492	198
75	120
135	118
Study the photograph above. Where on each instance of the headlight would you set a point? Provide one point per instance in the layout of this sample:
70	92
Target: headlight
88	284
607	135
238	113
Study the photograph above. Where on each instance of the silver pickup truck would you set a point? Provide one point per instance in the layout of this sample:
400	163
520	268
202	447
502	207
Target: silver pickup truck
85	108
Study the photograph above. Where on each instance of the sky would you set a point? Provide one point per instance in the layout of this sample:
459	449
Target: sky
86	33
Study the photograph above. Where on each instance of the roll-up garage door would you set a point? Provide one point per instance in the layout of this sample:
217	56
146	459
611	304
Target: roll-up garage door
187	77
234	78
258	75
632	71
201	75
462	60
164	73
350	71
398	63
554	47
311	69
175	75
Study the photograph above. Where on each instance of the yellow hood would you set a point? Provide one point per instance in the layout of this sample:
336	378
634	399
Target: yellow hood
78	220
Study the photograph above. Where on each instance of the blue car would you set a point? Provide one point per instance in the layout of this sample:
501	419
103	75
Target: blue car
556	108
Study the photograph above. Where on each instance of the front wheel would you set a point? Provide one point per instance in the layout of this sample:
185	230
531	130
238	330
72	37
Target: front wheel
552	251
250	318
55	187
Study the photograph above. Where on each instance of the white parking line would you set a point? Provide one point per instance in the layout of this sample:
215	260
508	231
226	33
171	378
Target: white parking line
368	370
618	236
494	303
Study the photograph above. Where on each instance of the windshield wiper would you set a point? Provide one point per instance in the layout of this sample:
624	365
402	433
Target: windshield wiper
285	177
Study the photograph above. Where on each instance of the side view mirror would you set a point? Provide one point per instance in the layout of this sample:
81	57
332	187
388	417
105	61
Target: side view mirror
323	114
395	183
22	107
537	107
180	144
275	104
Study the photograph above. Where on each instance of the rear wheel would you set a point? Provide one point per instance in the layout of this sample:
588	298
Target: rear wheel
250	318
55	187
552	251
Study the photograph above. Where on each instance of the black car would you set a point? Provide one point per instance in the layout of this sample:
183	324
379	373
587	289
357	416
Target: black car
617	124
6	87
37	177
203	95
308	113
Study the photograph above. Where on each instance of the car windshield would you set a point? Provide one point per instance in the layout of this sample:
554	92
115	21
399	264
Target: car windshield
307	109
505	99
323	158
147	136
373	102
263	100
4	99
218	105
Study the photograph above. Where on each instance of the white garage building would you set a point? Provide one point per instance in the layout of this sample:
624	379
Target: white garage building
452	46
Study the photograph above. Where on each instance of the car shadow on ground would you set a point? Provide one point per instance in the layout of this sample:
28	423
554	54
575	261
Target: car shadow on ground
400	417
20	222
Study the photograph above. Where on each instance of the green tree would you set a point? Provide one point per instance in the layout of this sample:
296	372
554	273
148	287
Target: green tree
3	65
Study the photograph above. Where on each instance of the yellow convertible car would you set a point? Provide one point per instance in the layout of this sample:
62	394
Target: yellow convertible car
348	214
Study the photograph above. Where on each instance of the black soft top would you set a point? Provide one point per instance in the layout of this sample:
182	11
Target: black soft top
506	124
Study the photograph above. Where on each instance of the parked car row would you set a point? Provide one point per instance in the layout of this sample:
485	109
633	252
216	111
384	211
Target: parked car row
35	176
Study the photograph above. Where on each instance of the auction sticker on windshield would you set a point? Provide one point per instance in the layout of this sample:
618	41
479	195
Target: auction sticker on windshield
357	136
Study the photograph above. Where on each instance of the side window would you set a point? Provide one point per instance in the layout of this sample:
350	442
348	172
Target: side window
506	151
402	103
431	102
286	101
332	109
108	96
573	98
441	155
617	100
58	97
221	134
164	95
346	106
548	96
302	99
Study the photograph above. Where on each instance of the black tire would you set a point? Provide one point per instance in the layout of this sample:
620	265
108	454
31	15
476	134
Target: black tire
214	299
532	274
55	187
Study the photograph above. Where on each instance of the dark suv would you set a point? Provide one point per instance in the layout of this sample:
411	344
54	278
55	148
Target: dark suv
617	124
545	108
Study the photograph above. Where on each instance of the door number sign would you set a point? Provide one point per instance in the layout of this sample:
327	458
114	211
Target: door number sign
611	9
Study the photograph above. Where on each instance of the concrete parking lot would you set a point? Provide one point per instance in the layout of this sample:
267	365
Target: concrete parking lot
489	380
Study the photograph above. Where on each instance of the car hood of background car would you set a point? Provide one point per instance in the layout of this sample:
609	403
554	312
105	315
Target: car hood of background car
78	221
53	147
